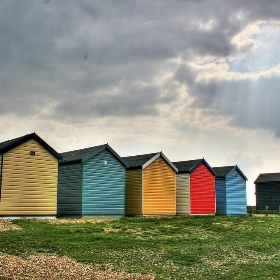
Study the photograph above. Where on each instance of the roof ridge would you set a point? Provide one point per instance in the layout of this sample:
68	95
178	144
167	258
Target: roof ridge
142	155
13	139
95	147
77	151
12	143
182	161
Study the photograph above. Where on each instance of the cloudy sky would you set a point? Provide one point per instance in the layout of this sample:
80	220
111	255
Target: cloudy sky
191	78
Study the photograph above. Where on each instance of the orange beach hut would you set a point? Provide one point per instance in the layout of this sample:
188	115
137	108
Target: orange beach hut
150	185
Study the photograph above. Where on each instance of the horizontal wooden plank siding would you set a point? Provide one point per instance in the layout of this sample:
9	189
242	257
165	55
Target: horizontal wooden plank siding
159	189
0	173
29	182
103	185
69	195
0	165
221	204
133	192
268	194
183	194
236	194
202	191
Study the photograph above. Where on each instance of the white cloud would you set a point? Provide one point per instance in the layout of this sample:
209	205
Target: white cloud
244	159
243	41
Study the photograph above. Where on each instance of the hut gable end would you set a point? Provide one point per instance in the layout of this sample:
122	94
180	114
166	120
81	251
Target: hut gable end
159	188
13	143
29	179
268	191
195	193
135	162
189	166
230	191
99	182
150	185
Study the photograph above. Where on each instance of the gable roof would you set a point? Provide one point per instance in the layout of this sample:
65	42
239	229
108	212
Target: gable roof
268	177
82	155
142	161
76	155
139	160
10	144
189	166
223	171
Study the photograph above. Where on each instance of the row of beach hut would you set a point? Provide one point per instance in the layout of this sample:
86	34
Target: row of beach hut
35	180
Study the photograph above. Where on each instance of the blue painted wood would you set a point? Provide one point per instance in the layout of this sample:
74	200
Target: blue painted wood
221	196
236	194
231	194
69	194
103	185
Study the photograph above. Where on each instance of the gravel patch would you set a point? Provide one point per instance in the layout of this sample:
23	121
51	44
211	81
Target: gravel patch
78	220
45	266
6	224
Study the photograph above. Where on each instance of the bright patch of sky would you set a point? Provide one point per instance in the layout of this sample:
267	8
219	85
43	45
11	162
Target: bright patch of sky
267	52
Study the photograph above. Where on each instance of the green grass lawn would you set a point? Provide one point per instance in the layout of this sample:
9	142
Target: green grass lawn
201	247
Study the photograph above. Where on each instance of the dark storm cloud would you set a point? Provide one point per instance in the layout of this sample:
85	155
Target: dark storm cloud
98	58
136	100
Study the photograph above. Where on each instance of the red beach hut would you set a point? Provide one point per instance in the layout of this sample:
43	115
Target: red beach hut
195	184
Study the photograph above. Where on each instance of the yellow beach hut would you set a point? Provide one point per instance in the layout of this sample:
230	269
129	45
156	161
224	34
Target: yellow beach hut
28	177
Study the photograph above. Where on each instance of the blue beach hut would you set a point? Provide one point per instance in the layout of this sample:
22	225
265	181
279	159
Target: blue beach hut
230	191
91	181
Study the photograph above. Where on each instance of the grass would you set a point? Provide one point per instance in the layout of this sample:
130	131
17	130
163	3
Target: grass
201	247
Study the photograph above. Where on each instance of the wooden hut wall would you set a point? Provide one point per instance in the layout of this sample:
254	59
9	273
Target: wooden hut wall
221	204
268	194
183	194
70	180
103	185
236	201
133	192
202	191
29	182
0	168
159	188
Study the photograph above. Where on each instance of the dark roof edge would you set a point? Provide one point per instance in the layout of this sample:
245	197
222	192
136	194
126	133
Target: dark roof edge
27	137
140	165
151	160
267	180
70	162
184	162
231	170
94	152
68	159
207	165
258	178
195	166
157	155
117	156
169	161
239	170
